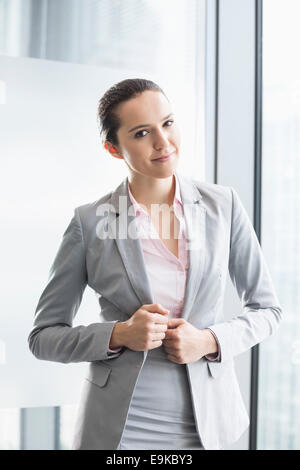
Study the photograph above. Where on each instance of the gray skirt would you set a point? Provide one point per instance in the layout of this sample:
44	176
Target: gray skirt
161	415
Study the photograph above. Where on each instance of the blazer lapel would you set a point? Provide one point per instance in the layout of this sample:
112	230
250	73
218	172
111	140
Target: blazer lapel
195	219
122	227
122	222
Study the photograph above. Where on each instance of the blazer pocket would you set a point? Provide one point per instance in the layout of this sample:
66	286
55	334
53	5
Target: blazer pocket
98	374
217	369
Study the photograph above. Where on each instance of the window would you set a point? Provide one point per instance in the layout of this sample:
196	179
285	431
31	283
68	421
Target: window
279	366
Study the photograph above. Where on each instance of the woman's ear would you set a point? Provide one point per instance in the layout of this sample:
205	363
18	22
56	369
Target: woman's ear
108	146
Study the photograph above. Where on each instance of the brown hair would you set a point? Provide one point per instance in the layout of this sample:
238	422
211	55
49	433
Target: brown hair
108	120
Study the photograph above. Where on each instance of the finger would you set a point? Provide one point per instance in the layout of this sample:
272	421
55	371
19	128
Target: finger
171	333
172	358
155	344
158	336
168	341
160	327
160	319
173	322
156	308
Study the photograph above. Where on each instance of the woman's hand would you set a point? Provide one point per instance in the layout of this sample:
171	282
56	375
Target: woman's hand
145	329
184	343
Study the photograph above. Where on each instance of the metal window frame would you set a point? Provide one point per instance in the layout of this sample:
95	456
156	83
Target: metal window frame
225	156
257	207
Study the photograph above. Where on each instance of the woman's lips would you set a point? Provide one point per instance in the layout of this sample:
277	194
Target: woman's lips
164	159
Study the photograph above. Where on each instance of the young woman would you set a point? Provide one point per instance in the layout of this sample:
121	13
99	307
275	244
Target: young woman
161	373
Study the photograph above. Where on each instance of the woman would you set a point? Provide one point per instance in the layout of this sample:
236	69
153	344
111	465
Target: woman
148	386
154	420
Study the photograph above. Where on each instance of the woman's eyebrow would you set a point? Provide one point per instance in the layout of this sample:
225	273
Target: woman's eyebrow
146	125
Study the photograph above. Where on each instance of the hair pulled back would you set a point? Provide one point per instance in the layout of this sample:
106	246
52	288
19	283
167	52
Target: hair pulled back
107	117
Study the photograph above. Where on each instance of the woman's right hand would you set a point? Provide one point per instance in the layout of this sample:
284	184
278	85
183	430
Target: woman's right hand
145	329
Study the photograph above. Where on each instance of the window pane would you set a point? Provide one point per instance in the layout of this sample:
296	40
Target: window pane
279	376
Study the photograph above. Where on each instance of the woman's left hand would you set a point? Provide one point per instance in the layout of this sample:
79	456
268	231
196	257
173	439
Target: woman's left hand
185	343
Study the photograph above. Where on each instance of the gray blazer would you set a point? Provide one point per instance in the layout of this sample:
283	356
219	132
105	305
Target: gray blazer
95	251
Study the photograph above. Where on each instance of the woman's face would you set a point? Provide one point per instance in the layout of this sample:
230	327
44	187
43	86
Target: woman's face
157	135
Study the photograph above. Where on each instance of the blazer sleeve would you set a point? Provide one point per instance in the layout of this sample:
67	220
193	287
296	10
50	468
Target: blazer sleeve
251	278
53	338
214	356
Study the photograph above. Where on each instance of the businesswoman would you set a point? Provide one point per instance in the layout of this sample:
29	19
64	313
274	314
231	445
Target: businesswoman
161	373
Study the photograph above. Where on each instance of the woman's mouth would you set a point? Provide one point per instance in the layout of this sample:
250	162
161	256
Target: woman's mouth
163	159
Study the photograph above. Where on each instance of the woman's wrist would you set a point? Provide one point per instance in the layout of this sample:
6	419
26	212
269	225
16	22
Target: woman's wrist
211	343
117	336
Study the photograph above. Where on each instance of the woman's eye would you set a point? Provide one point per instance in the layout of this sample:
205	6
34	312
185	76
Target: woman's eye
137	135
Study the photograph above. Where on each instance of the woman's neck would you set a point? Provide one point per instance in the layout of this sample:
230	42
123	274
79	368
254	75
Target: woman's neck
149	191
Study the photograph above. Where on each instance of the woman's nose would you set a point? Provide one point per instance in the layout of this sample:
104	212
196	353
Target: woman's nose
161	140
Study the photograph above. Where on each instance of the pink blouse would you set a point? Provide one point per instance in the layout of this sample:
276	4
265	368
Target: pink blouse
167	274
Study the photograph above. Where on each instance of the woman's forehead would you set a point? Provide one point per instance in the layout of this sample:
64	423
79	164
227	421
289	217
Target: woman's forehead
143	112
